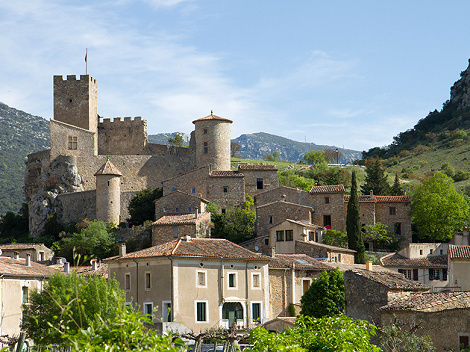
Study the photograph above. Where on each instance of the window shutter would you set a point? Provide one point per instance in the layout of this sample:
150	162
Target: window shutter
444	274
415	274
431	274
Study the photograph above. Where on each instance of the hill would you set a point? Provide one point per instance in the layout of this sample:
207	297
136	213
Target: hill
20	135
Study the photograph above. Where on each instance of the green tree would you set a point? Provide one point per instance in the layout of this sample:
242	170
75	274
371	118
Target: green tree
381	234
437	210
333	155
176	140
396	189
86	301
15	225
141	207
235	149
376	179
353	223
272	157
315	158
396	338
335	238
327	334
96	239
325	296
236	225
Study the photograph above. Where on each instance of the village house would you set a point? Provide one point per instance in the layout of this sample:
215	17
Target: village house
459	267
443	316
38	251
196	284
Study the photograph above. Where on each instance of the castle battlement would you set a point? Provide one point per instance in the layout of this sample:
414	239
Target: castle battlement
85	78
118	122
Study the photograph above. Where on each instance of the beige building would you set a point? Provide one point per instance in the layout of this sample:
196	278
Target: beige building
459	267
38	252
18	278
196	284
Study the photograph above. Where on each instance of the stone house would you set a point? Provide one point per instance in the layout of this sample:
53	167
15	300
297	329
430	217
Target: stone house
172	226
328	202
290	276
178	202
423	262
366	291
196	283
38	251
259	178
18	278
330	254
283	236
443	316
459	267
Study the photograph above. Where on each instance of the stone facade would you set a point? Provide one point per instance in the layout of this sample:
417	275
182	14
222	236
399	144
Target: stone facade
179	202
170	227
331	254
259	178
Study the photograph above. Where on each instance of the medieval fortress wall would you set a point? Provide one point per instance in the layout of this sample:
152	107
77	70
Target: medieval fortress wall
58	181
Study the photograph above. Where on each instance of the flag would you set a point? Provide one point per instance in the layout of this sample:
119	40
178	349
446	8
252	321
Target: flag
86	54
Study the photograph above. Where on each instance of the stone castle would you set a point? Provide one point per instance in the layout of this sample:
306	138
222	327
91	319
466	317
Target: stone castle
96	165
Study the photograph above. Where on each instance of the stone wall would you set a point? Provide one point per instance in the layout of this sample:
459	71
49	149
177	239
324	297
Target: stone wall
280	283
212	138
288	194
77	205
85	140
270	180
178	200
122	137
332	205
185	182
317	250
235	194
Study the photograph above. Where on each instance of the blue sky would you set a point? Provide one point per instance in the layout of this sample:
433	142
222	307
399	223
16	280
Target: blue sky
343	73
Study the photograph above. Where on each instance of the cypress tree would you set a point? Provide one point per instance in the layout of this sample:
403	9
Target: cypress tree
376	179
396	189
353	223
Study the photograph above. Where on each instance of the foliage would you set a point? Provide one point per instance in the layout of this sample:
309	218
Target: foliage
176	140
235	149
333	155
291	179
319	176
395	338
68	300
142	207
236	225
315	158
396	189
15	225
272	157
291	310
325	296
328	334
335	238
437	210
353	223
95	239
376	179
381	234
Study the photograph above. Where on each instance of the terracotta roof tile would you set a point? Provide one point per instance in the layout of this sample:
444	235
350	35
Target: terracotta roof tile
398	261
391	280
301	262
22	246
459	252
178	192
368	198
196	247
181	219
212	117
430	301
328	189
13	267
327	246
304	223
222	173
256	167
108	169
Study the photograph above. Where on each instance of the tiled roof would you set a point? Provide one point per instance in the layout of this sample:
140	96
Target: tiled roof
14	267
328	189
221	173
181	219
281	201
102	269
304	223
300	261
430	301
212	117
391	280
108	169
345	267
368	198
398	261
256	167
21	246
327	246
196	247
178	192
459	252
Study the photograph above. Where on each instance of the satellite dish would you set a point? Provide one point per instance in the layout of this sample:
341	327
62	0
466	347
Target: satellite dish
256	248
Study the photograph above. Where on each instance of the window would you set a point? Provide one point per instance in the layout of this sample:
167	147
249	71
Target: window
397	226
147	281
205	130
206	148
289	235
444	274
327	221
148	308
430	251
41	256
167	314
189	210
270	219
327	200
175	231
174	189
256	280
280	236
305	285
259	183
225	189
177	210
463	341
201	279
256	311
415	274
127	282
193	190
232	280
223	210
420	252
392	210
24	294
73	140
266	241
201	311
406	273
435	274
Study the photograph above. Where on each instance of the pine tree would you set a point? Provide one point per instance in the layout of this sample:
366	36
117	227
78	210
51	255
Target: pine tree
376	179
353	223
396	189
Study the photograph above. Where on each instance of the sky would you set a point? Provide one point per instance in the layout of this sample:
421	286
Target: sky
350	74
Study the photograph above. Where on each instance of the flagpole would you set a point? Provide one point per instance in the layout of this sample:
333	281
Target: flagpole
86	61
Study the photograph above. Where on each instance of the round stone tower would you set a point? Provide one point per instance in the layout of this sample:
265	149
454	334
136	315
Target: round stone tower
212	136
108	193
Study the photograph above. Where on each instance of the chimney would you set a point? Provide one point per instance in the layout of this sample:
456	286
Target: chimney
371	194
16	255
187	238
369	266
60	260
94	265
28	259
197	212
273	252
66	267
122	249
